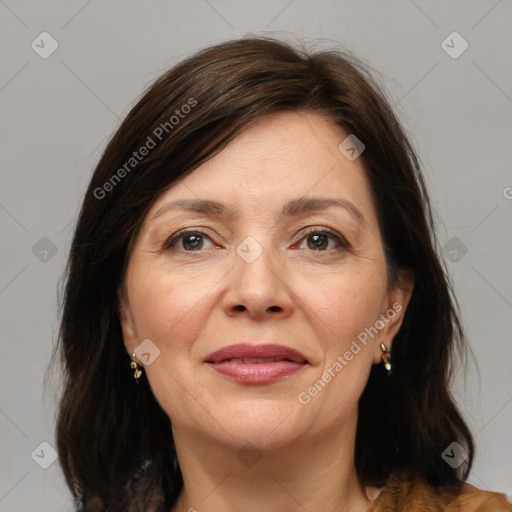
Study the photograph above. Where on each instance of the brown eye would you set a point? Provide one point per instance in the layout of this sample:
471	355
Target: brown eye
187	241
194	241
318	240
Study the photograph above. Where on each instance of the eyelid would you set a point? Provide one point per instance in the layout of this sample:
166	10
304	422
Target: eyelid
327	231
181	233
333	234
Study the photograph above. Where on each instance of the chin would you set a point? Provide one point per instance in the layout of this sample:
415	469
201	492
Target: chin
267	427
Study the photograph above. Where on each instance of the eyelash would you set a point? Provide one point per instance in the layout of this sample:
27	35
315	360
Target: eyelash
342	241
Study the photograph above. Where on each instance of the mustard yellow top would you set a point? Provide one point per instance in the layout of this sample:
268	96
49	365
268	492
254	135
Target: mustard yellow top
404	493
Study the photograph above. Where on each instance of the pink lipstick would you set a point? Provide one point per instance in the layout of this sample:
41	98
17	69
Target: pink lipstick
256	364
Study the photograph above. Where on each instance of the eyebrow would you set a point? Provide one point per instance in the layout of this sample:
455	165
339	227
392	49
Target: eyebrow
290	209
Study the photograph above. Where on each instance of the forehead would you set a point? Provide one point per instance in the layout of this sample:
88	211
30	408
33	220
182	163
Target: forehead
281	158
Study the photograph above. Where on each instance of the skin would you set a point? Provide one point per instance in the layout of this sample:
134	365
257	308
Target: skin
186	301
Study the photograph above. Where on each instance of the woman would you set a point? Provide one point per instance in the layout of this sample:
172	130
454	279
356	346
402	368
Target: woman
255	315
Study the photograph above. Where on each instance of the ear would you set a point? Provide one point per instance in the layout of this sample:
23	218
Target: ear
393	310
126	320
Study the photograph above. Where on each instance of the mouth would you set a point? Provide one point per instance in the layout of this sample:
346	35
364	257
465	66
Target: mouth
256	364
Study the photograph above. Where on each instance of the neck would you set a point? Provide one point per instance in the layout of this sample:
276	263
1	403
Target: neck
313	473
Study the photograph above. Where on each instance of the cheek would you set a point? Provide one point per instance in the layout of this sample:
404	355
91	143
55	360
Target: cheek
166	305
168	311
171	310
345	305
342	308
336	386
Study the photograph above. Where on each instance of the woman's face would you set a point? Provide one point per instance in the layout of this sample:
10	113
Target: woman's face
256	269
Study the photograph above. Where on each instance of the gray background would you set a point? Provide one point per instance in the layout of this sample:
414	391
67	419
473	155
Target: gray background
58	113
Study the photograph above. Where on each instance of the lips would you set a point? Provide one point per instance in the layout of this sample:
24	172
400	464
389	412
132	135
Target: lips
250	354
256	364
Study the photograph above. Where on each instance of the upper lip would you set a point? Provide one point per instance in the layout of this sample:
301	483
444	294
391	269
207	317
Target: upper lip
244	350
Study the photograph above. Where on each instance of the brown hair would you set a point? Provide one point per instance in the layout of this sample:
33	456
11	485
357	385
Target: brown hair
114	440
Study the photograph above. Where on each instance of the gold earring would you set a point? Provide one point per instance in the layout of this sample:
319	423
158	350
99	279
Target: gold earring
385	358
137	373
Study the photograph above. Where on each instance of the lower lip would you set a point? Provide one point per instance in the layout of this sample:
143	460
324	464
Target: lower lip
257	373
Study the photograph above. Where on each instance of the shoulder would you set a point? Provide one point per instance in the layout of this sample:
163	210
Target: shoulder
471	498
406	492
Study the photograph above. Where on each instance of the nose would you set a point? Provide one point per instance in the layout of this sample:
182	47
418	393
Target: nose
260	287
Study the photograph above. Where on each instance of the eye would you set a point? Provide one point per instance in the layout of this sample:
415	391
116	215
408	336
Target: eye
318	240
189	241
